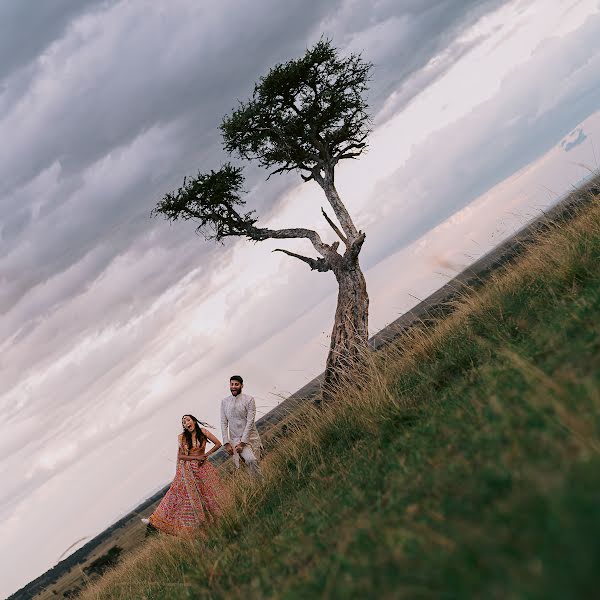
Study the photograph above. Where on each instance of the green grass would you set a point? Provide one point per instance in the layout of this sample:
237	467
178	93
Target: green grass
466	464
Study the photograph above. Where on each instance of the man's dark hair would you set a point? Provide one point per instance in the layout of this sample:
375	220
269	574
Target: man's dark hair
237	378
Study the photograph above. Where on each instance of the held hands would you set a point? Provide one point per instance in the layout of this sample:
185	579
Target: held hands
199	456
238	448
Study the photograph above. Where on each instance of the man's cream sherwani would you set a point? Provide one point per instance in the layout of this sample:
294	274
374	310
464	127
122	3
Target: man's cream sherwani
238	414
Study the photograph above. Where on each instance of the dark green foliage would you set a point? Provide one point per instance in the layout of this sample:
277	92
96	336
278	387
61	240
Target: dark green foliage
104	562
305	115
210	200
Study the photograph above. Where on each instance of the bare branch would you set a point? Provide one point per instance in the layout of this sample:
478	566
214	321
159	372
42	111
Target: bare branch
315	264
346	155
353	251
285	168
291	167
260	234
335	228
346	152
341	212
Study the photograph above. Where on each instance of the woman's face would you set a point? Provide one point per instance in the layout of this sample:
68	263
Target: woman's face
188	423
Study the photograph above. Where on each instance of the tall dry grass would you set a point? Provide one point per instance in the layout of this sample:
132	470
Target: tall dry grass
563	255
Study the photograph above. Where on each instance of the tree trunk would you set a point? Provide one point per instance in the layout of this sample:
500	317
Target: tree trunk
349	338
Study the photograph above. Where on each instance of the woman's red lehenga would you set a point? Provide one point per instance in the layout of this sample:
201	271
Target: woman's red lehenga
192	501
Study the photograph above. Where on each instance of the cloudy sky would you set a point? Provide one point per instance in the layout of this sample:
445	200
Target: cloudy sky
115	324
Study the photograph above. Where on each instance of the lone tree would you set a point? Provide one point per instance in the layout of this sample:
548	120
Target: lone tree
306	115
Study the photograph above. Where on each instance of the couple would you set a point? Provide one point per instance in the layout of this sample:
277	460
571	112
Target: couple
194	497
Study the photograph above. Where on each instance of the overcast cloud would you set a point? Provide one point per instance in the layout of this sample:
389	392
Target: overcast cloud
113	324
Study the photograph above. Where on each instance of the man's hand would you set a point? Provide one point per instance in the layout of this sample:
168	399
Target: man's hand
229	449
240	447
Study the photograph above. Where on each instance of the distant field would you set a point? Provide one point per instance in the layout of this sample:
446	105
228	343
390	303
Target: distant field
70	580
465	464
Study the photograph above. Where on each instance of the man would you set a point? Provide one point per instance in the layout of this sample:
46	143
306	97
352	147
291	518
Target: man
240	436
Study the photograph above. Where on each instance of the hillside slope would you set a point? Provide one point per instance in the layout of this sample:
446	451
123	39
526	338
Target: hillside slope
466	463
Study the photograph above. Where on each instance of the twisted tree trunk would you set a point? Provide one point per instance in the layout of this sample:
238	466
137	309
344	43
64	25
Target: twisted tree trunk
350	333
349	336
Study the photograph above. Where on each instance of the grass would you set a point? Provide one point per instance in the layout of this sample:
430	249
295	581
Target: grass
464	464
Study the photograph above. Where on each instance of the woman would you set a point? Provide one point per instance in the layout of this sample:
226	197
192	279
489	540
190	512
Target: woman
193	498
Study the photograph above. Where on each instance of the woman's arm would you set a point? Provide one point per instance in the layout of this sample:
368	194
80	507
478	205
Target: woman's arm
181	453
181	456
193	454
211	438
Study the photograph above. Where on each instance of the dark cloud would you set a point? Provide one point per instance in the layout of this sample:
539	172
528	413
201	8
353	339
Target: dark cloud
96	119
166	78
121	74
28	27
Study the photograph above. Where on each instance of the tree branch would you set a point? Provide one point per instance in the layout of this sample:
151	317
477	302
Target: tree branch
353	251
315	264
341	212
260	234
335	227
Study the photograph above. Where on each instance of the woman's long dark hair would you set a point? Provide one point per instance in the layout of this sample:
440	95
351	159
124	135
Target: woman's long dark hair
199	435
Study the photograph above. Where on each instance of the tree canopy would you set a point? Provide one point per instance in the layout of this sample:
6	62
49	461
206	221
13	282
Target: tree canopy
305	115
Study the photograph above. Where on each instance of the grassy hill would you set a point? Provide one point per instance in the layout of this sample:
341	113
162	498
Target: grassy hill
464	464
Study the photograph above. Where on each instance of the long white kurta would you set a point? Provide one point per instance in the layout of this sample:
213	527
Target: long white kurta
238	414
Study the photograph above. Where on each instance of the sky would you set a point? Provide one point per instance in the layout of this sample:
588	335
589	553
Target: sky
115	324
